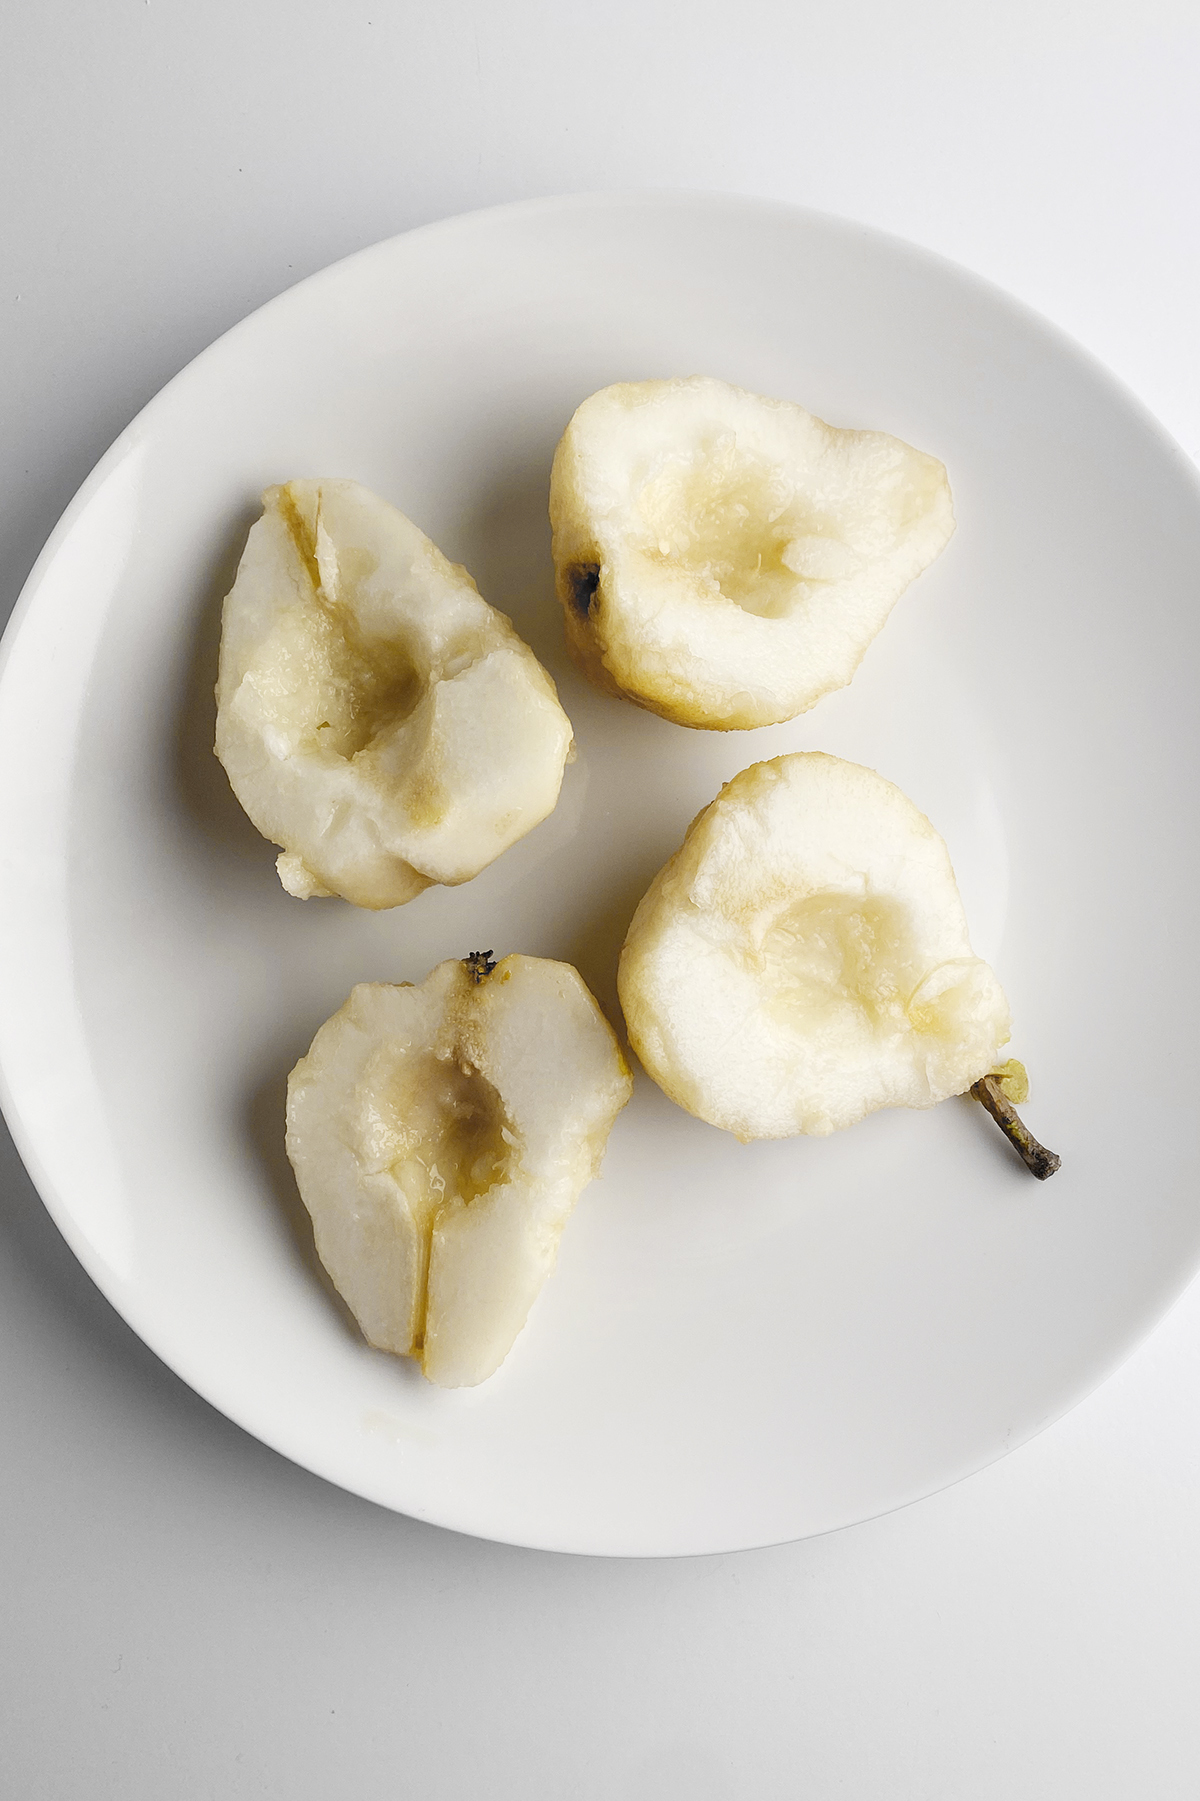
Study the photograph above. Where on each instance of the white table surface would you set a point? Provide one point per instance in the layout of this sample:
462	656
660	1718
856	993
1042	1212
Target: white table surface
185	1613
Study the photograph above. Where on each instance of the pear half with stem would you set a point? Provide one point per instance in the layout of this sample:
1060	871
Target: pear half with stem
375	716
440	1136
724	559
804	959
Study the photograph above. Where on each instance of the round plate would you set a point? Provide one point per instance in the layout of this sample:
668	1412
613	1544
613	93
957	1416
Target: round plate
741	1344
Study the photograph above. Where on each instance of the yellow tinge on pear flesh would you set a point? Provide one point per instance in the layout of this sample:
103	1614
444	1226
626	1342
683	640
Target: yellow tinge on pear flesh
441	1136
375	716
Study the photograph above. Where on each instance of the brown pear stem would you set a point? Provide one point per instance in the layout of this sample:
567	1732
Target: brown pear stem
1035	1156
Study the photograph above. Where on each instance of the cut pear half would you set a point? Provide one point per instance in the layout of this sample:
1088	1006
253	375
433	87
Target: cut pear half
804	959
724	559
441	1136
375	716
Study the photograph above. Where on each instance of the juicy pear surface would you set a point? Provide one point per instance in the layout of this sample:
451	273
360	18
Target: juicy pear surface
440	1136
375	716
725	560
803	958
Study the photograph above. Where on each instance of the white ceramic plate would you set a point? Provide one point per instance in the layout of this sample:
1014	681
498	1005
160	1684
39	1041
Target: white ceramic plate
741	1344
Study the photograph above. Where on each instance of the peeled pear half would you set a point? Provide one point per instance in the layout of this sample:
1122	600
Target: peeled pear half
376	718
440	1136
724	559
803	958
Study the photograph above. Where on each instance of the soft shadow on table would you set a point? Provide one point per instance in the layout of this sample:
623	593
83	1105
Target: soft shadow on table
82	1330
32	1243
29	511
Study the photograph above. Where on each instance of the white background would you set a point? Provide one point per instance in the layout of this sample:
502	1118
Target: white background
185	1613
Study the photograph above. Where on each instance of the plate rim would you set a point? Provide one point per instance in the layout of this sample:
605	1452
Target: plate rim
788	215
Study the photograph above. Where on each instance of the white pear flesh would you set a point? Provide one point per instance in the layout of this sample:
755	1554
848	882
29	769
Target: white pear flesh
441	1136
375	716
804	959
724	559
